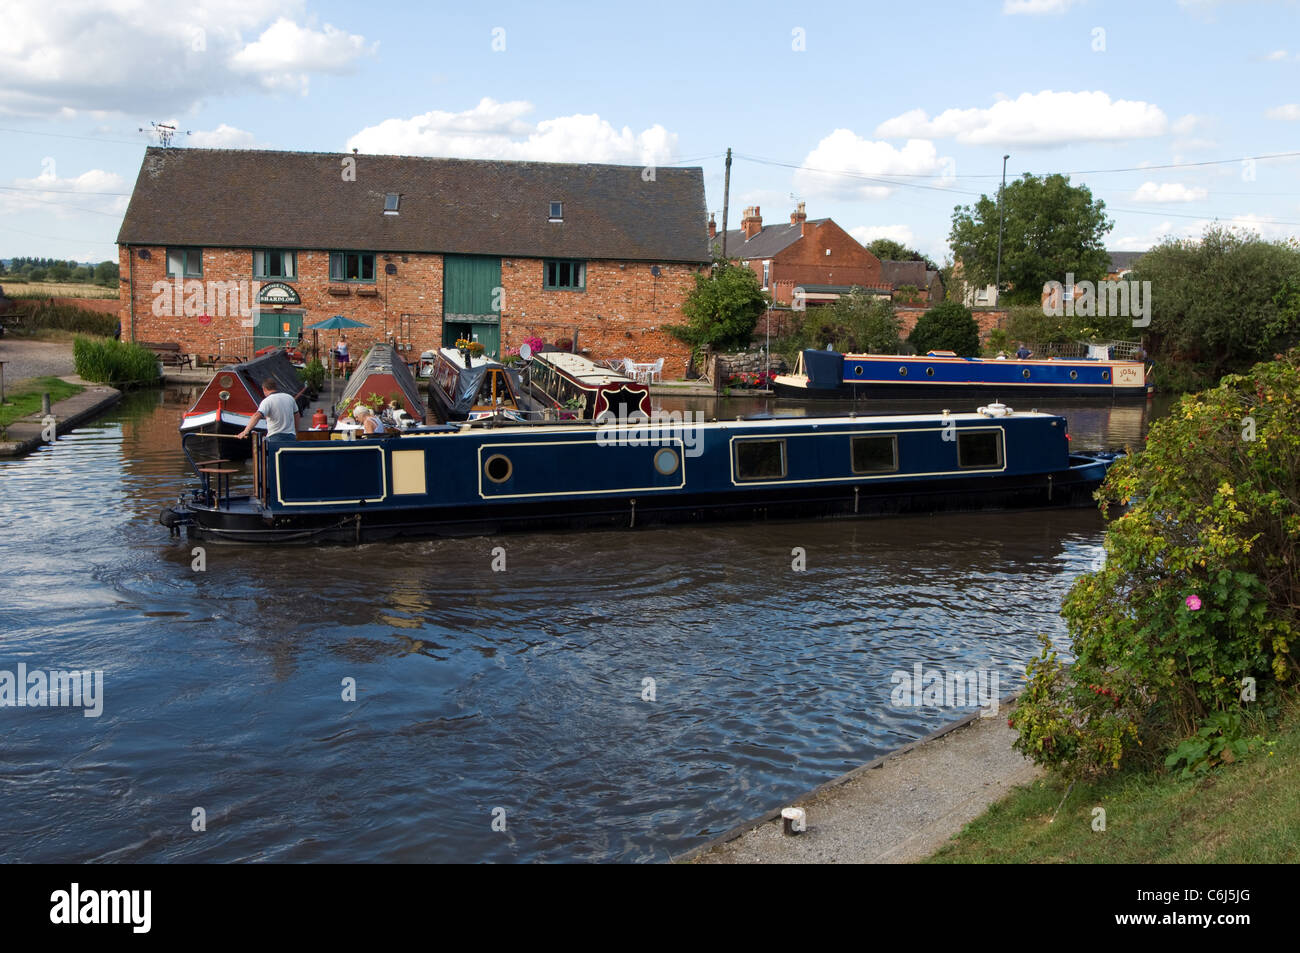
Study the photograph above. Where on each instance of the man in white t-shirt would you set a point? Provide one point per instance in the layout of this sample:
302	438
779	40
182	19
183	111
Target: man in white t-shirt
280	411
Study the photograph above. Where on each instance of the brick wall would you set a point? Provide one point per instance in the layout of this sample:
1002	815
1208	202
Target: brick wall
620	314
102	305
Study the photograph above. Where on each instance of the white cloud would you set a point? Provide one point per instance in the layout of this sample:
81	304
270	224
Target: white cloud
1290	111
1045	118
866	234
67	57
1168	192
495	130
67	197
844	165
1036	7
286	53
223	137
1276	56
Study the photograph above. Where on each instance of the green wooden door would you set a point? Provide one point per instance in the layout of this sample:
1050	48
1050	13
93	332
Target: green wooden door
269	328
471	295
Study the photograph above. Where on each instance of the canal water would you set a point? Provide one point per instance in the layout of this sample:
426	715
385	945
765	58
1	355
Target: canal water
608	696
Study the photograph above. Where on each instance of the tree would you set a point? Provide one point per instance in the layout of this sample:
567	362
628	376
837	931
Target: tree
36	274
107	273
886	249
1051	229
1228	299
947	327
60	272
723	309
855	323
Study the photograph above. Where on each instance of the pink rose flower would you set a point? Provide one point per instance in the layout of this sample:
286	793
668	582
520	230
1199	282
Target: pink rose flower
1193	602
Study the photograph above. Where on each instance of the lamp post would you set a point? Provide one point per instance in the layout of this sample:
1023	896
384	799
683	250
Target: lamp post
997	276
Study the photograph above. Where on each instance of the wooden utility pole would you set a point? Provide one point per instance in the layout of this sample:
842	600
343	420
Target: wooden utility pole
726	200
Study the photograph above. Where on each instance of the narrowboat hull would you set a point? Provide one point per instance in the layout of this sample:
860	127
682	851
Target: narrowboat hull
482	481
831	375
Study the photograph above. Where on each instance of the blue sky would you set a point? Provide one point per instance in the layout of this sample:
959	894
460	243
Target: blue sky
881	116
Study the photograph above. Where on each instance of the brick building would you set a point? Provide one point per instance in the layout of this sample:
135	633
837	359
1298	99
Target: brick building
803	253
224	251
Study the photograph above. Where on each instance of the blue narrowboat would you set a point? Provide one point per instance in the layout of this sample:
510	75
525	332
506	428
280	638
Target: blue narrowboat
630	472
944	374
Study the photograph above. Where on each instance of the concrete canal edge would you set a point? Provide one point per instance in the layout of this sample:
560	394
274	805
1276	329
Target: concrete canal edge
899	808
25	435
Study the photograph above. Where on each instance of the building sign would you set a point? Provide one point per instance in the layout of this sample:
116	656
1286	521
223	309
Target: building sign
278	293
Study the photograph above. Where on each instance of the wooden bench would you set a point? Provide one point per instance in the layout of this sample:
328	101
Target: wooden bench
221	360
169	353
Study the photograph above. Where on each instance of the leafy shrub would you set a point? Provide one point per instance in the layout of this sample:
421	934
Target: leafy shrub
856	323
313	375
947	327
1195	610
106	361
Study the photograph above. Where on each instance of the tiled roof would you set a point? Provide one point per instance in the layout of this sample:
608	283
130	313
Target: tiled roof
1120	260
899	273
241	199
768	243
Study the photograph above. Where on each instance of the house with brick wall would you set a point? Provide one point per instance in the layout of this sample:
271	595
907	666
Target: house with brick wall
226	251
813	254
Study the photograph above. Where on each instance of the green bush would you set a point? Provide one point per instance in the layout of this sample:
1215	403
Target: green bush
1195	610
856	323
313	375
947	327
106	361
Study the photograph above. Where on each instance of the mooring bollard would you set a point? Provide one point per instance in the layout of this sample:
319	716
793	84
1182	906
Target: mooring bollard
45	405
793	820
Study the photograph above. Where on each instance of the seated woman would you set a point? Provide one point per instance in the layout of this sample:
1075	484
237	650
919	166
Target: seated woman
370	422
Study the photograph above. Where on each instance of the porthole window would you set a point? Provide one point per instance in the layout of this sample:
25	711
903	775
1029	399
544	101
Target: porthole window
667	461
227	381
858	370
902	372
498	468
1025	373
1074	375
929	372
1105	375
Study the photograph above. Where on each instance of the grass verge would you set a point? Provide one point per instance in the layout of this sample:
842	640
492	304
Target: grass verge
1247	812
24	398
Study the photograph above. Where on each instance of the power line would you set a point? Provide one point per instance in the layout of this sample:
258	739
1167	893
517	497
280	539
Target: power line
62	135
24	188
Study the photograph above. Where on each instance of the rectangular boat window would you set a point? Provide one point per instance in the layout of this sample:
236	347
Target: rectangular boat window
760	460
875	454
981	449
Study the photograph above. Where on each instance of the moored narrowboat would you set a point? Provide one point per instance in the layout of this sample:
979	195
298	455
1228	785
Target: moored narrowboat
383	374
232	396
944	374
571	382
471	387
476	479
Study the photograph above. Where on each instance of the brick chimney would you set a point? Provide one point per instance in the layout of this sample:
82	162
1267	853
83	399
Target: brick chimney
713	227
798	217
752	223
